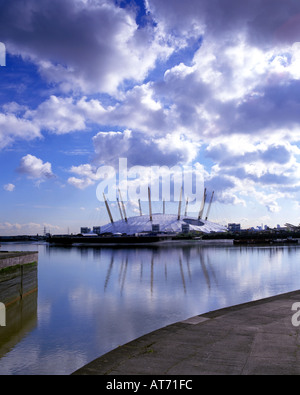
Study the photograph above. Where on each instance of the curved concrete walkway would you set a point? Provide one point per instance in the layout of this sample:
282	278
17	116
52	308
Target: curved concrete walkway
253	338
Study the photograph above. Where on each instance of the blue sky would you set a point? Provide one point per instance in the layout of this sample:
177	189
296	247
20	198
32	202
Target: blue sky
209	84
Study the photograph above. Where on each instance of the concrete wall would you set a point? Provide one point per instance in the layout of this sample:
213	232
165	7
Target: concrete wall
18	276
8	259
18	295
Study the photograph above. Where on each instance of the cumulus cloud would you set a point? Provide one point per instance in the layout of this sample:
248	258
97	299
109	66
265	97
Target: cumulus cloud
263	22
236	97
138	110
86	172
80	183
142	150
222	151
263	171
26	228
137	150
81	45
9	187
243	78
57	115
35	168
239	96
13	128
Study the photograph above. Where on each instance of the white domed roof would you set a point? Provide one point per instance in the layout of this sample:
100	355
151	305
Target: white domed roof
166	222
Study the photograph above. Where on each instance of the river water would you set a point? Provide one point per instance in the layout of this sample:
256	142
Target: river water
91	300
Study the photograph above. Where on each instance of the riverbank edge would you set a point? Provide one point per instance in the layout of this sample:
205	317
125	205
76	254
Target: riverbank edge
255	337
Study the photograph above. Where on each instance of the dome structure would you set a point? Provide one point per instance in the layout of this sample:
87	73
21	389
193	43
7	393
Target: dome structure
160	223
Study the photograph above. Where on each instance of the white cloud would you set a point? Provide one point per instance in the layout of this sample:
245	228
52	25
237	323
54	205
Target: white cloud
9	187
80	183
9	228
144	150
140	111
87	173
85	170
57	115
96	48
237	93
34	167
13	129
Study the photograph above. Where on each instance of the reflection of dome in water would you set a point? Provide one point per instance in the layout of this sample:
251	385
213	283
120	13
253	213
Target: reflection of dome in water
163	222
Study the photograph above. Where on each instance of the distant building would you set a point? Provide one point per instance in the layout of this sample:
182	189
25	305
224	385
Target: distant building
85	230
234	227
97	230
185	228
155	228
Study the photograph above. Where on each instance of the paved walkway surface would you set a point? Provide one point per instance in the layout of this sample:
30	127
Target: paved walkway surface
253	338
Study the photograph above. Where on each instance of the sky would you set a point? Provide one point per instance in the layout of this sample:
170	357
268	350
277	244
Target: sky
212	85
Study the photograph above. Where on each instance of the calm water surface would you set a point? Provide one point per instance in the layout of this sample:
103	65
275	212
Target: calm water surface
91	300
